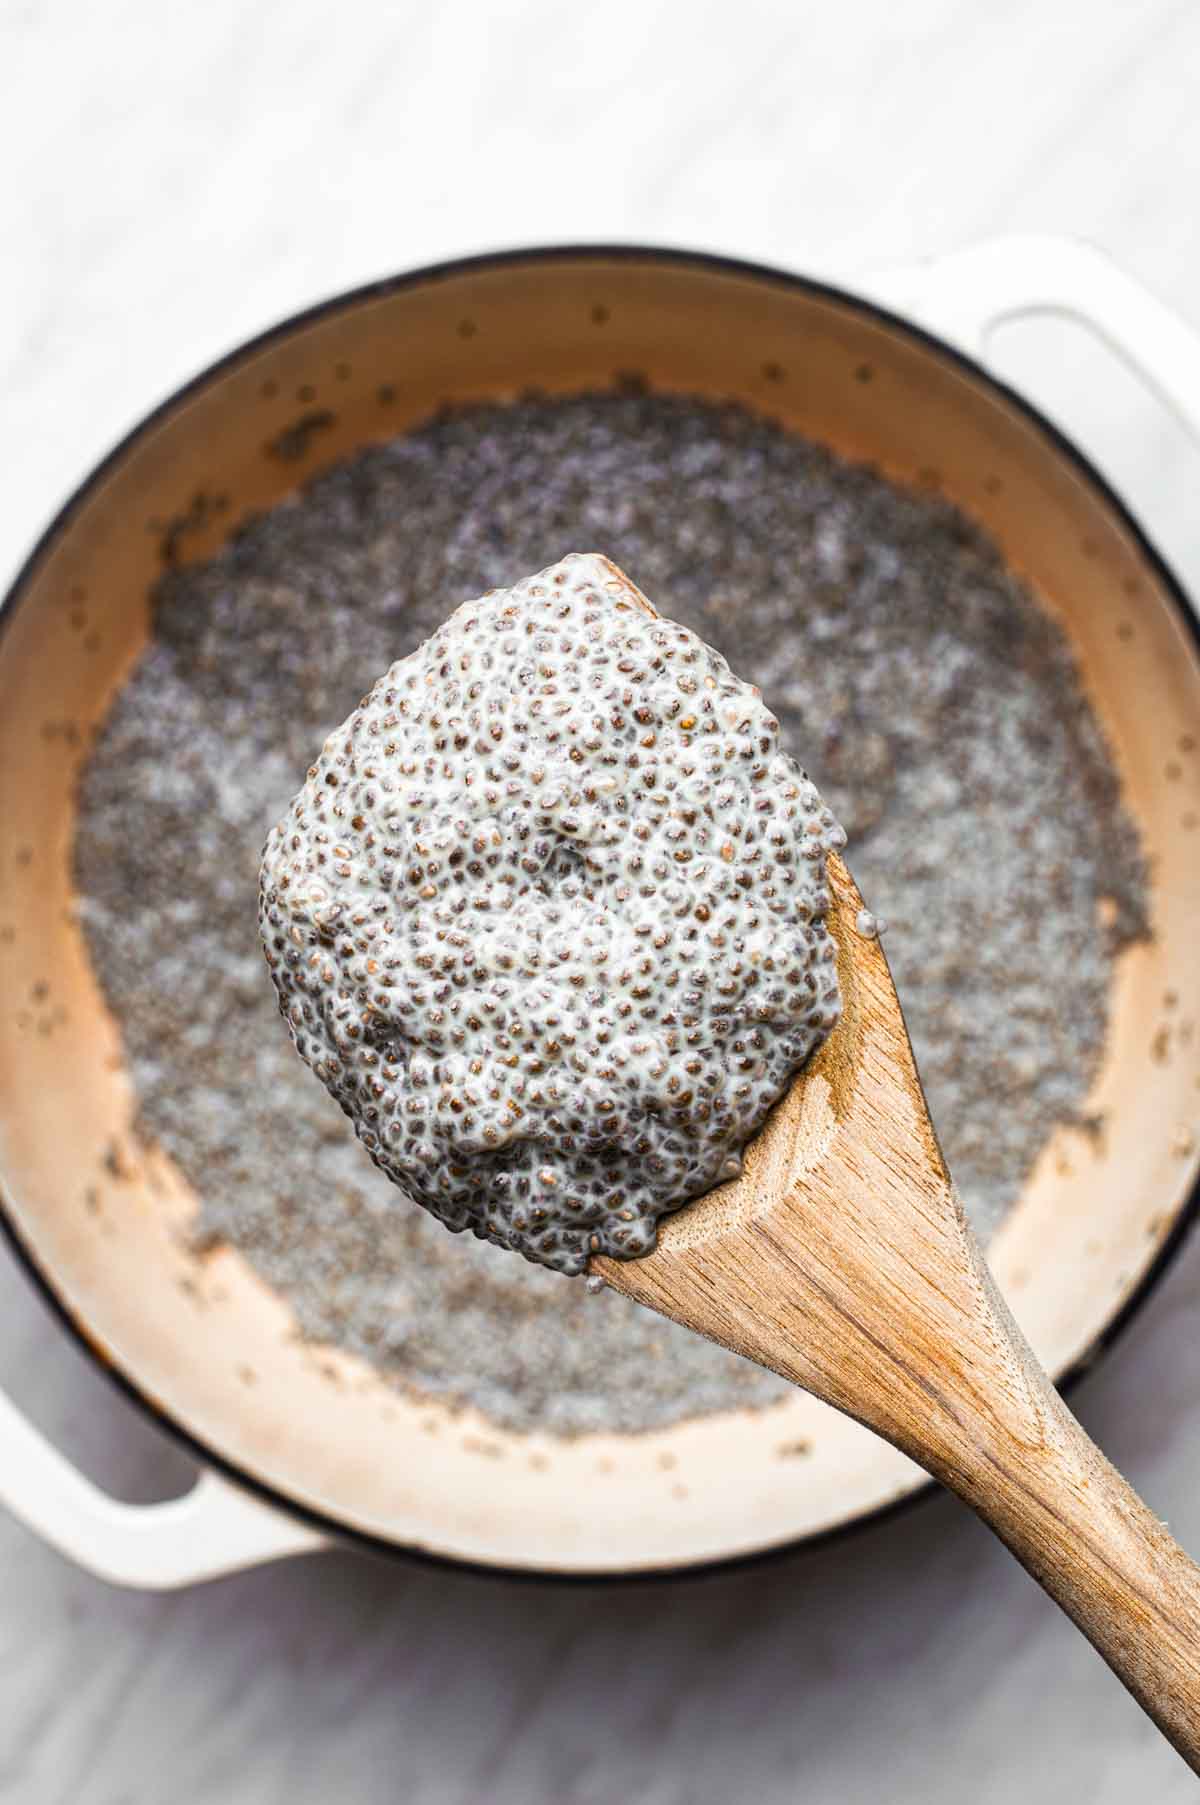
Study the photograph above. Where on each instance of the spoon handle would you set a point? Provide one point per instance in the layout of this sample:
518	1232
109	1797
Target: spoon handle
1035	1477
913	1339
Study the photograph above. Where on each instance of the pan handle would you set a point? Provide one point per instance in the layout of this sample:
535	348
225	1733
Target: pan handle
215	1528
964	296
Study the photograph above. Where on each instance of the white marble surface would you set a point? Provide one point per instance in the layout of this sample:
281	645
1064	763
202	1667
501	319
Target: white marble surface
177	178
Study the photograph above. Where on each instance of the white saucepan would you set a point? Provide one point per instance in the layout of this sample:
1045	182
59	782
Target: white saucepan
299	1447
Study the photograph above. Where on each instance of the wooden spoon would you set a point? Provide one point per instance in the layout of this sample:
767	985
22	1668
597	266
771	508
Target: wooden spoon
841	1259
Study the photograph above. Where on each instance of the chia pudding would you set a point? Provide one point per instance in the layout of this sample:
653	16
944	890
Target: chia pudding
936	706
548	917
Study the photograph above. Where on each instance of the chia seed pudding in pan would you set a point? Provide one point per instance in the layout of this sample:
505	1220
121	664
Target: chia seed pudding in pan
935	705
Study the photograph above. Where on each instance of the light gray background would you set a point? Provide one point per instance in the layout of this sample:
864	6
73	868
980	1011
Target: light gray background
176	178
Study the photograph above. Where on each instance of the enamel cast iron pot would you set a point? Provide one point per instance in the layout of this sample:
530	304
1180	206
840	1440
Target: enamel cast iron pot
317	1448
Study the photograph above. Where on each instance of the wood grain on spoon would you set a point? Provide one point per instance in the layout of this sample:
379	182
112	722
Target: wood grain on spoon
841	1259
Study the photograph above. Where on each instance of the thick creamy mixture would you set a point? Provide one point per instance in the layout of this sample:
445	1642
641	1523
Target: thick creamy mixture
548	917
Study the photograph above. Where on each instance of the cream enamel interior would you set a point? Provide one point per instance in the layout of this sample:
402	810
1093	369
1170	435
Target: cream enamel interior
206	1342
